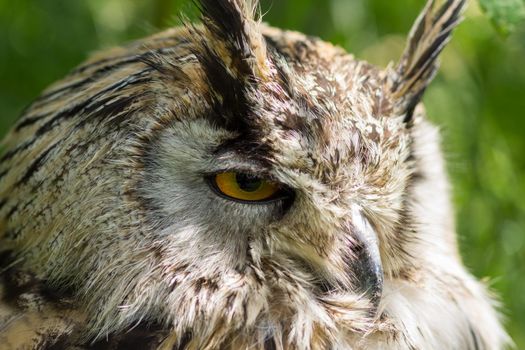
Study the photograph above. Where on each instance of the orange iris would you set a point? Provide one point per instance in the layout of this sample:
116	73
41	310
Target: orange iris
245	187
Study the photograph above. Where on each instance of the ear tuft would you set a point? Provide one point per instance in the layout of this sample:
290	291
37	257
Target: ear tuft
419	63
233	28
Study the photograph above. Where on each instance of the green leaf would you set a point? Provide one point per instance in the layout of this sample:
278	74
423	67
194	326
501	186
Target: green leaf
504	14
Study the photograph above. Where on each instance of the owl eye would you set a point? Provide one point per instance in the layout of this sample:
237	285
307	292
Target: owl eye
245	187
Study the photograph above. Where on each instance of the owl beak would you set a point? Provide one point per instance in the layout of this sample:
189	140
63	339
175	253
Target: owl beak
366	266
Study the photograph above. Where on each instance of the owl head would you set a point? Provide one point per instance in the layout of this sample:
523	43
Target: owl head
237	184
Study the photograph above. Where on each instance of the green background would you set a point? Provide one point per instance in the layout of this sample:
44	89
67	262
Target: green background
478	98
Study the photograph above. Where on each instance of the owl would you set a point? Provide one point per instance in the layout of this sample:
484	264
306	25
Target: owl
230	185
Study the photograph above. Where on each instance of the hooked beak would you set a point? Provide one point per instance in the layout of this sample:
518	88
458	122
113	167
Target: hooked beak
366	265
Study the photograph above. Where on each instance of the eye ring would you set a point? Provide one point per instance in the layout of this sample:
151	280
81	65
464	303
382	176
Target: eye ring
246	188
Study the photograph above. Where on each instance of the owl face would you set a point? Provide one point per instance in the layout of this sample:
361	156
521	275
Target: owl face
275	190
230	180
320	145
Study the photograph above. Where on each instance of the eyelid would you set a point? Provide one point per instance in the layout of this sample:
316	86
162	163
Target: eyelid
231	160
250	169
283	193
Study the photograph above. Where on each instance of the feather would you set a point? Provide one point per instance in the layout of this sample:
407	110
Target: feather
419	63
233	26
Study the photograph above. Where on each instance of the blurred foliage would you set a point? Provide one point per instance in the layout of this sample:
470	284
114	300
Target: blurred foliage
477	98
505	14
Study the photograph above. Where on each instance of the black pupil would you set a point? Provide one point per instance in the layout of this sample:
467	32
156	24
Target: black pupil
248	183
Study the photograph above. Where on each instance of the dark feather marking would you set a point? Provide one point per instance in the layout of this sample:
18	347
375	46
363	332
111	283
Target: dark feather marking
36	164
6	258
22	147
436	45
165	66
13	209
104	71
231	80
179	40
101	72
275	46
475	338
139	339
3	173
57	343
232	112
2	203
411	107
142	337
90	106
117	109
12	234
422	71
293	121
134	79
425	66
223	19
184	341
433	51
30	120
17	208
231	109
249	148
101	62
16	285
82	68
269	344
276	53
108	107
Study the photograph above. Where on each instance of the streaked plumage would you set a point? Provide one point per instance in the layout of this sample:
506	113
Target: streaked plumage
111	237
